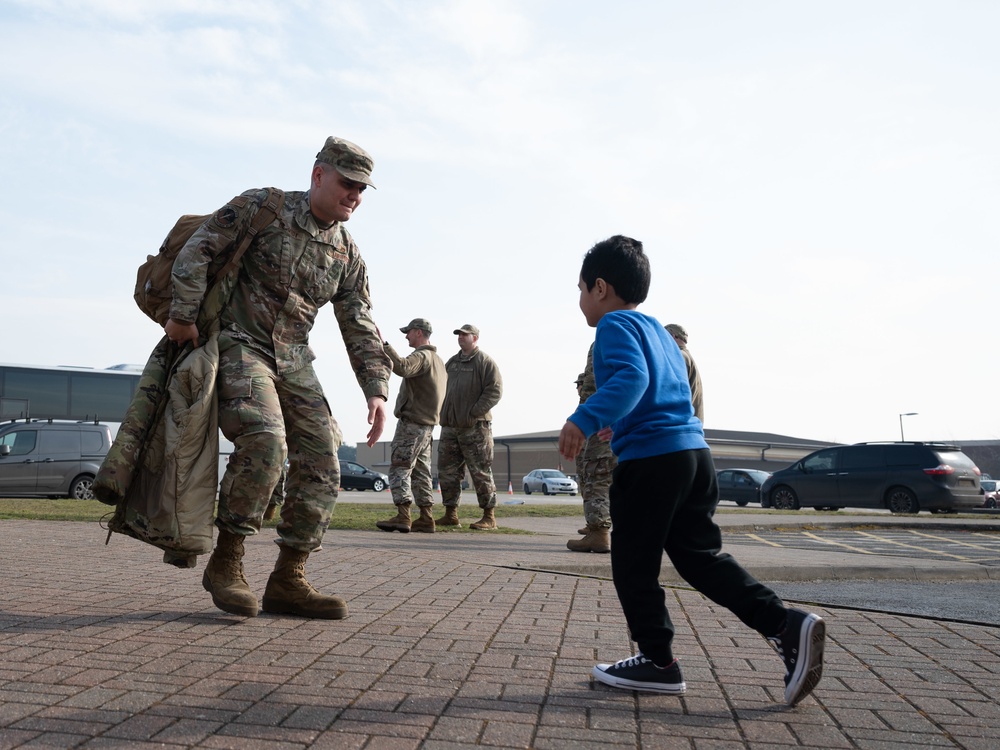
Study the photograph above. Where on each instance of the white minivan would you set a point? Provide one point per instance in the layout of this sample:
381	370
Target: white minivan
51	459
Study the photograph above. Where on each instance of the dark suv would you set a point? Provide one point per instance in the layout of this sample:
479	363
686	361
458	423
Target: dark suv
903	477
51	459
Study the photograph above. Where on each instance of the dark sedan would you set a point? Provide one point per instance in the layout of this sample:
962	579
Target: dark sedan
357	477
742	486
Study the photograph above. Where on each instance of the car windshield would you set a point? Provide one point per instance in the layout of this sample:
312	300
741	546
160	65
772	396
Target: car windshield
552	474
989	485
759	476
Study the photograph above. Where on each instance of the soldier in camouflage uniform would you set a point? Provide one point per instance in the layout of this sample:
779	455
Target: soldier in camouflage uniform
694	377
271	404
594	465
474	388
417	410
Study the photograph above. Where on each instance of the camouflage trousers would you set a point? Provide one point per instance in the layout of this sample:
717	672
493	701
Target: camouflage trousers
269	417
410	470
467	447
594	465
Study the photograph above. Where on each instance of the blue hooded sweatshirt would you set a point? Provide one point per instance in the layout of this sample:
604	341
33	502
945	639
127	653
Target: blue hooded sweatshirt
642	389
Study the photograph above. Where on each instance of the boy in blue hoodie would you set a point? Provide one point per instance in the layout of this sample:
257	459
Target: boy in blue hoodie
664	491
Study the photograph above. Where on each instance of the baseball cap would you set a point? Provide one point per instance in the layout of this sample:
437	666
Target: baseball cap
350	160
677	330
421	324
467	328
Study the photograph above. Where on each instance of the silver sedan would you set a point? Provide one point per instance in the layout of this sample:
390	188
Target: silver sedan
548	482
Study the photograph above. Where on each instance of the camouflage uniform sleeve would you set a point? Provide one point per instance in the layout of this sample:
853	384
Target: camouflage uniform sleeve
205	253
589	385
492	389
393	355
353	308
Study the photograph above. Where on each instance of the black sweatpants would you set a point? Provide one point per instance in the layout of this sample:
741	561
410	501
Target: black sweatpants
665	503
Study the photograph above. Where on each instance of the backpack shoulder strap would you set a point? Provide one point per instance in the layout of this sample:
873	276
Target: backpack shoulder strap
265	215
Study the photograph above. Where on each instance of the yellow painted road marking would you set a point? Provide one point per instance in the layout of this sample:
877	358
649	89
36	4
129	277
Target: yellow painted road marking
762	539
951	541
837	544
913	546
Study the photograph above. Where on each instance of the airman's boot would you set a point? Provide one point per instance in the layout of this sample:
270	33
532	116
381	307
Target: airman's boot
400	522
597	539
450	517
224	578
488	521
289	593
426	521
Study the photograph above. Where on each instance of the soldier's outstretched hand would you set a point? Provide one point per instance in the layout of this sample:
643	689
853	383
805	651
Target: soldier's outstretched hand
376	418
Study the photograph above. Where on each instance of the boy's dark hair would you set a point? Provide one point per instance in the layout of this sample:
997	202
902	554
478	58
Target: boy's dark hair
618	260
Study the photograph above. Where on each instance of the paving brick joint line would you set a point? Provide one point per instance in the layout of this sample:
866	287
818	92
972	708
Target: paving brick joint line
452	642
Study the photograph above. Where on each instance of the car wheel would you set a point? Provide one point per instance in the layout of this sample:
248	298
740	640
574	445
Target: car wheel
545	489
527	489
991	503
742	503
901	500
572	494
784	498
82	488
378	485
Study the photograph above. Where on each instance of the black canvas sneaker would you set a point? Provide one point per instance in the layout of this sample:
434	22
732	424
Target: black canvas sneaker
639	673
801	647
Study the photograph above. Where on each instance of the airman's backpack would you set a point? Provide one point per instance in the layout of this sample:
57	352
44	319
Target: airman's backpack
153	283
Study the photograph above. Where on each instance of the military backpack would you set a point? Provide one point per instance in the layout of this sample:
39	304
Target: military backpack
153	283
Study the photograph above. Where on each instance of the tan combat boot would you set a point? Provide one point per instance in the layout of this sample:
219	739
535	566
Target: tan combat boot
583	530
450	517
224	578
289	593
488	521
426	521
597	539
400	522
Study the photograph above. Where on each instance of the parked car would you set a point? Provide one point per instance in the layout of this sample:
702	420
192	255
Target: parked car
548	482
742	486
51	459
903	477
991	496
354	476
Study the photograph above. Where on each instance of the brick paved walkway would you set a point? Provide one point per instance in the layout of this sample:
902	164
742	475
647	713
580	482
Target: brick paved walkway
448	645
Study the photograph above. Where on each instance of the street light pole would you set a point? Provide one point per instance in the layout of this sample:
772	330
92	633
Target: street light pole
907	414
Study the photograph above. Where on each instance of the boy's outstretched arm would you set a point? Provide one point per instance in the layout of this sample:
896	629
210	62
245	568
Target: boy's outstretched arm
571	441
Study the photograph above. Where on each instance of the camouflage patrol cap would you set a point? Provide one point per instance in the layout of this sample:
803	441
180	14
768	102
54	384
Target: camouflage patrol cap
677	330
350	160
467	328
421	324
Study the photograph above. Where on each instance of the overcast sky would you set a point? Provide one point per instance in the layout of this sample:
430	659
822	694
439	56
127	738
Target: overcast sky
816	184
